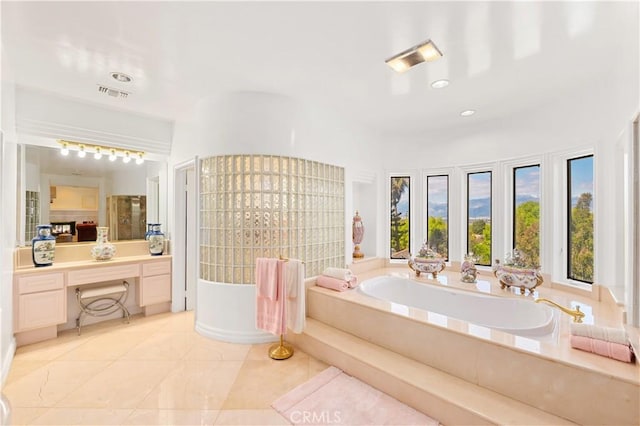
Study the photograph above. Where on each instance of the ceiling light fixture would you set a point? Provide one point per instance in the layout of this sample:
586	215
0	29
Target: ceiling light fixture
468	112
121	77
439	84
100	151
140	159
423	52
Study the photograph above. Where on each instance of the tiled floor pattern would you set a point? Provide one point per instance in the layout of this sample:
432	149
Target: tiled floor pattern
155	370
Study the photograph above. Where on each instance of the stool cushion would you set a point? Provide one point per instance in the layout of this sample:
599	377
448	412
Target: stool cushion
102	291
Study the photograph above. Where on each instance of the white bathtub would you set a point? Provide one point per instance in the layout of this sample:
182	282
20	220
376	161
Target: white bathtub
522	317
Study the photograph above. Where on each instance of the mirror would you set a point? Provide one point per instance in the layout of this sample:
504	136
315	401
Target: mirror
69	191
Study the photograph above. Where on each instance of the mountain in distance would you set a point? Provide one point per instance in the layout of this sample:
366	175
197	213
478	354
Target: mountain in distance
438	210
480	208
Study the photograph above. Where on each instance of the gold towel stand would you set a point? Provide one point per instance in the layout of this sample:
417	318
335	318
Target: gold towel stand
281	350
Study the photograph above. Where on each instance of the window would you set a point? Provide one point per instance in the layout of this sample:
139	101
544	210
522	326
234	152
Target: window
479	216
438	214
580	219
399	240
526	212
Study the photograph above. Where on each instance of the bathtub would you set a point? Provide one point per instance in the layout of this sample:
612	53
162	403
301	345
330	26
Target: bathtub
516	316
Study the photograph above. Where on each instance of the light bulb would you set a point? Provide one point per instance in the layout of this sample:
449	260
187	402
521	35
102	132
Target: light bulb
112	156
126	157
139	160
82	152
98	154
65	149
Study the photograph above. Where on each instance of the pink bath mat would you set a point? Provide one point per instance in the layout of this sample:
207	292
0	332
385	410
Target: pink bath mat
335	398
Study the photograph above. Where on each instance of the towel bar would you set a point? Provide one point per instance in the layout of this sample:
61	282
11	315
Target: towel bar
102	301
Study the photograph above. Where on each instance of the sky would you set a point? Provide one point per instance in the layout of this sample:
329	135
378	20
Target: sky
581	176
479	185
527	181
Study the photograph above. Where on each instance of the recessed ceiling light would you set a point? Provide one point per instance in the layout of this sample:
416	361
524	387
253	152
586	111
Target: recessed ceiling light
439	84
422	52
468	112
121	77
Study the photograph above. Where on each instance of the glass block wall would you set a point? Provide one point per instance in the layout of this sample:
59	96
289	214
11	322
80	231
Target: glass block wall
32	215
269	206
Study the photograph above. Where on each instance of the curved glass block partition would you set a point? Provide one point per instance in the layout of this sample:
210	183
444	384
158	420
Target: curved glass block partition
268	206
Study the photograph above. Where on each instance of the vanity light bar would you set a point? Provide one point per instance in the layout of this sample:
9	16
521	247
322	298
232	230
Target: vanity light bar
98	150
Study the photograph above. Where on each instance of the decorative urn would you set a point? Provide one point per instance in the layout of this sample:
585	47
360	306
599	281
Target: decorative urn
468	270
103	250
43	246
357	230
517	271
427	261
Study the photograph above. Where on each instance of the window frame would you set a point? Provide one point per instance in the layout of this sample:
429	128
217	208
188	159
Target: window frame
468	173
426	206
568	212
409	214
513	206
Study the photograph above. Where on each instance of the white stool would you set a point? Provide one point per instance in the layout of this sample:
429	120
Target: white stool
102	301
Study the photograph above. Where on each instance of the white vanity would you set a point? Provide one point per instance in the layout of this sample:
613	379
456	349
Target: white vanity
40	293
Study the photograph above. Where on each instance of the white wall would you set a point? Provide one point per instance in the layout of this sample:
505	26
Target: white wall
8	185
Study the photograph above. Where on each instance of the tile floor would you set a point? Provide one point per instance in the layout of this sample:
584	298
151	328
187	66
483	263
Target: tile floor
155	370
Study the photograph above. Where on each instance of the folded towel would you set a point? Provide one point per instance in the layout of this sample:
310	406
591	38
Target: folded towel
600	347
342	274
339	273
332	283
614	335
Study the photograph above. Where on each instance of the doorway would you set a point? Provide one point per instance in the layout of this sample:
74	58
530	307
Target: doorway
185	272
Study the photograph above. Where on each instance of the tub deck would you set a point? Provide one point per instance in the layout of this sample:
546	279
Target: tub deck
547	375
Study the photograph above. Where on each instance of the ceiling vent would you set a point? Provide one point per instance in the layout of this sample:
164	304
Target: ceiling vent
114	93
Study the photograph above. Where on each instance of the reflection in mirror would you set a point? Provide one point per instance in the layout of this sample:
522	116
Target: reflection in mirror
77	194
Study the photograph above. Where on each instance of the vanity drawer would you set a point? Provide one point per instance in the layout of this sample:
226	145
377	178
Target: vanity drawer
156	268
43	282
100	274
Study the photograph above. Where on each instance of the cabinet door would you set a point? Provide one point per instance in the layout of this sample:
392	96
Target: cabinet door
41	309
155	289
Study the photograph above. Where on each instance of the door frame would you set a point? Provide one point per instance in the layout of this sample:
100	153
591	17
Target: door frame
183	295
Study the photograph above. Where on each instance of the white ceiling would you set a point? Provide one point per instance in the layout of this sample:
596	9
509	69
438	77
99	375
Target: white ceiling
501	57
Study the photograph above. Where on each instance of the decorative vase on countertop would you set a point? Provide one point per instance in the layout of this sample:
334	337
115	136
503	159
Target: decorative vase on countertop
103	250
43	246
156	240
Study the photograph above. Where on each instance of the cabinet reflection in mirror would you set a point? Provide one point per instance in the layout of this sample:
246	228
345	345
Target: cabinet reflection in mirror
75	195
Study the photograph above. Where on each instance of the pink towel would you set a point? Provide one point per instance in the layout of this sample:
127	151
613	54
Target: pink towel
353	282
267	278
270	313
332	283
601	347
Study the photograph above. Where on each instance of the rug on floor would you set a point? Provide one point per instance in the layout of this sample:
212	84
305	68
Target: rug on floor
335	398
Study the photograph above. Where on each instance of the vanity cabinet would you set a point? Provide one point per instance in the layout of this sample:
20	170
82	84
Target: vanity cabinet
41	301
155	283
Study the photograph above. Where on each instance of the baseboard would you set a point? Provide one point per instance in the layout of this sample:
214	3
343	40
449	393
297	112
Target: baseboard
7	359
231	336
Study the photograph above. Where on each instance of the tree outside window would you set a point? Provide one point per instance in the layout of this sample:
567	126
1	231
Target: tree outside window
438	214
526	212
399	240
580	217
479	216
